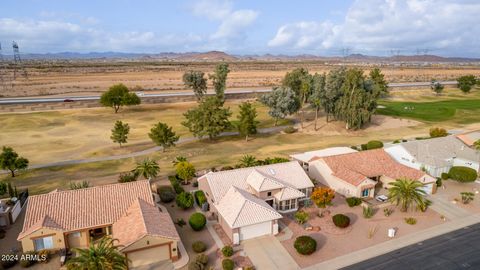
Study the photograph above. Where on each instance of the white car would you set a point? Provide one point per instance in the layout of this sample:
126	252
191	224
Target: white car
381	198
140	94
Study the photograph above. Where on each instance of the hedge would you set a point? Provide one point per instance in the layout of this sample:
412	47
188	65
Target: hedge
374	145
199	246
341	220
227	251
166	194
175	184
444	176
462	174
228	264
305	245
353	201
184	200
197	221
200	197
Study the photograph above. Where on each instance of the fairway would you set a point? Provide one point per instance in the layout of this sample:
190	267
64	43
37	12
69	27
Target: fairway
458	111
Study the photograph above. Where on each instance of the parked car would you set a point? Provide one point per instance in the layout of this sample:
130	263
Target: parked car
381	198
68	100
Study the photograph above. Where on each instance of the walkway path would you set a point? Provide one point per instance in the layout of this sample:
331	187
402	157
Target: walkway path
267	253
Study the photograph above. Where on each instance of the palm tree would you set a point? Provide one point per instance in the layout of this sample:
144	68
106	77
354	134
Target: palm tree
248	161
178	160
408	194
476	144
100	255
148	168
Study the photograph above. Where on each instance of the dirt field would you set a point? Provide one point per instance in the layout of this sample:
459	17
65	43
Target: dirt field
80	78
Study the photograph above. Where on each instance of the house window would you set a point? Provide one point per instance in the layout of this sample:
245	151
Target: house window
43	243
288	205
76	234
365	192
269	193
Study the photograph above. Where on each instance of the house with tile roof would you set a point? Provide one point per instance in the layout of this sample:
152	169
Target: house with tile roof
362	174
469	138
436	155
248	202
126	212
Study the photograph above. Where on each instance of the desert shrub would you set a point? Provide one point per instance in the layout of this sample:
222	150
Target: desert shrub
404	140
44	255
175	184
438	182
197	221
467	197
396	141
462	174
200	197
301	217
184	200
289	130
227	251
202	258
363	146
166	194
438	132
368	212
195	183
180	222
127	177
273	160
374	145
444	176
195	266
411	221
387	211
354	147
199	246
353	201
6	264
228	264
25	259
3	187
226	168
341	221
305	245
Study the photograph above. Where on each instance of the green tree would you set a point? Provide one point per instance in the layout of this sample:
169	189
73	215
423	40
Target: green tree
379	81
476	144
197	82
185	171
465	83
436	87
333	91
120	132
247	123
9	160
300	82
282	103
148	168
178	160
117	96
210	118
408	194
100	255
248	161
163	135
317	95
219	79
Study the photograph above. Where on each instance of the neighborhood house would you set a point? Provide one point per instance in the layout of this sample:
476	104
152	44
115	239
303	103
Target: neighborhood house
469	138
74	218
435	156
249	201
363	174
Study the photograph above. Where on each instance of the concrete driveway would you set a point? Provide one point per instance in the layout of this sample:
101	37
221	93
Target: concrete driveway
267	253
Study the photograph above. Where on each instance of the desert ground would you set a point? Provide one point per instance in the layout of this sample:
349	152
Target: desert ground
94	77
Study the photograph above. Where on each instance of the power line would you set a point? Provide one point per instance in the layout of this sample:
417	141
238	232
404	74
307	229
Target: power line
18	65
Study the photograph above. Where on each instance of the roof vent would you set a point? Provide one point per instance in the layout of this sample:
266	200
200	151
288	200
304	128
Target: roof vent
272	171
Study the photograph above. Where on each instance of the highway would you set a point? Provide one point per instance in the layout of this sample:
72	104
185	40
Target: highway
34	100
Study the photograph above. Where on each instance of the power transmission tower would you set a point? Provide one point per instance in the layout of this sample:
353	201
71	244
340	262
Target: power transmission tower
2	69
18	65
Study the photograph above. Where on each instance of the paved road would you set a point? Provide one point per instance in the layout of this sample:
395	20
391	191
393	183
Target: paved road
459	249
31	100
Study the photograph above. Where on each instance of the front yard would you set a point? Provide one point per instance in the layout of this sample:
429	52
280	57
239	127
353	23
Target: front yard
361	233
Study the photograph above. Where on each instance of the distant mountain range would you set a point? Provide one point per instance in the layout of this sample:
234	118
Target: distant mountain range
222	56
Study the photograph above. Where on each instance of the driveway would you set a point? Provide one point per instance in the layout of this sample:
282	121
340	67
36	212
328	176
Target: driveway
268	253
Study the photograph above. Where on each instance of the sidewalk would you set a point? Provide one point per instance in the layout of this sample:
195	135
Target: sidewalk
394	244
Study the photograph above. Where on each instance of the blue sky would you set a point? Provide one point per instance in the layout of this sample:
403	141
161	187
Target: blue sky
376	27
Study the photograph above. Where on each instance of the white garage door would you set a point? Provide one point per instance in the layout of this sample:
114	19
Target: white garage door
256	230
428	188
149	256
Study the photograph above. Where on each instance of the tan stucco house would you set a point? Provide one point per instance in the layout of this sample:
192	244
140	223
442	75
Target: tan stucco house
75	218
249	201
358	174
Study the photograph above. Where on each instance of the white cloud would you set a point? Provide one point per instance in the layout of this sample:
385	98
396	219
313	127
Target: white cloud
443	26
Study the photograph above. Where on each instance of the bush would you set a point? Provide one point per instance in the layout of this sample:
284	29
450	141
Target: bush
180	222
341	220
184	200
462	174
396	141
387	211
305	245
226	168
364	147
199	246
175	184
289	130
227	251
6	264
202	258
26	260
197	221
195	183
228	264
166	194
438	132
127	177
438	182
2	234
301	217
200	197
3	187
368	212
354	147
195	266
353	201
444	176
411	221
374	145
44	255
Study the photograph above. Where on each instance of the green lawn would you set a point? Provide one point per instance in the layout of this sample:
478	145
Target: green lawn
463	111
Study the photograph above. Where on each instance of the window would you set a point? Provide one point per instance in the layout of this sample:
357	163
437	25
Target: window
269	193
288	205
43	243
76	234
365	192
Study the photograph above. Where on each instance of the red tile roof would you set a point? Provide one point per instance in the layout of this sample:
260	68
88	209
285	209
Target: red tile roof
354	168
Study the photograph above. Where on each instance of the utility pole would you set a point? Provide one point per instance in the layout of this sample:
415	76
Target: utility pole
18	65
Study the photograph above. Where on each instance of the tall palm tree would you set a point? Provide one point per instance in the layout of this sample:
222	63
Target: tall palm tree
408	194
178	160
100	255
248	161
148	168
